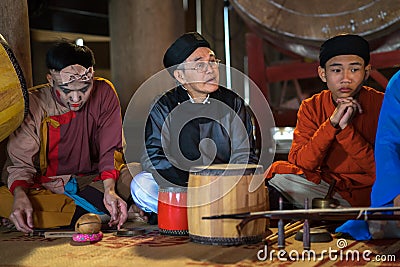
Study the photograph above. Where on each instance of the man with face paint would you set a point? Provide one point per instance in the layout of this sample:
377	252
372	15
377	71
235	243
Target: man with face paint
62	158
335	133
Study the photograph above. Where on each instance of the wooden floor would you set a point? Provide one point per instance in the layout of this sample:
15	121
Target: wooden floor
150	248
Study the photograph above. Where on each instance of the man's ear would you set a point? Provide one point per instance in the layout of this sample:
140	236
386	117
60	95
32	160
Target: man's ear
50	79
322	73
367	71
179	76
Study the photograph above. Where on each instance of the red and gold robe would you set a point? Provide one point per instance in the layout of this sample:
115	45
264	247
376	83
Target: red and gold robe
78	142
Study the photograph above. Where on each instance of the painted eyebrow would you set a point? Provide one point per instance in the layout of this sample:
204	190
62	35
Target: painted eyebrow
83	88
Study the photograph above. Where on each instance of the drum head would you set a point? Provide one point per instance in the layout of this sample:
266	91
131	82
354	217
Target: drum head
227	169
301	26
14	94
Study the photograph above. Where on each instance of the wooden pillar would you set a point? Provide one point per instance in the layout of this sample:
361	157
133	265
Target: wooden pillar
255	53
140	32
14	26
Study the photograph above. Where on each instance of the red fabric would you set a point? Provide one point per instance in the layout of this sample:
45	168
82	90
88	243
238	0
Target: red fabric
19	183
320	151
112	174
54	140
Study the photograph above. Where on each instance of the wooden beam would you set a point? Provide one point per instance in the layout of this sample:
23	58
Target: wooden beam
291	70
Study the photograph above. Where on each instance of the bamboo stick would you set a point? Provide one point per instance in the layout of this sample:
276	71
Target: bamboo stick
290	229
52	234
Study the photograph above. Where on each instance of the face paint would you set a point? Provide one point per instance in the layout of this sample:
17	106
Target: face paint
74	95
73	85
72	73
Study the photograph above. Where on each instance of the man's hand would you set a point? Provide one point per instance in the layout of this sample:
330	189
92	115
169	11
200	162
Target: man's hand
345	111
114	204
22	211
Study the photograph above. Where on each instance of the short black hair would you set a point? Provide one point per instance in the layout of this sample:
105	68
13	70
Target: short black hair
65	53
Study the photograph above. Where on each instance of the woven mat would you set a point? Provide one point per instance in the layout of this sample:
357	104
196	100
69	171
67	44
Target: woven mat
154	249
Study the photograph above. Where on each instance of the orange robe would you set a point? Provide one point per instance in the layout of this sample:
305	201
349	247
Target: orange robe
320	151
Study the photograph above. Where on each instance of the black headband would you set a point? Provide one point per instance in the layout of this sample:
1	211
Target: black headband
182	48
346	44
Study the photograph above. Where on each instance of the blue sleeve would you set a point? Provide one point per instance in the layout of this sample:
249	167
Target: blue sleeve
357	229
387	147
387	158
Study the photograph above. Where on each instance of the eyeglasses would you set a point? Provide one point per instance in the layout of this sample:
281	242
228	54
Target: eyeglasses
201	66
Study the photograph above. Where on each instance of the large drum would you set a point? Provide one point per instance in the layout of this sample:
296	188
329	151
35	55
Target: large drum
13	92
300	26
226	189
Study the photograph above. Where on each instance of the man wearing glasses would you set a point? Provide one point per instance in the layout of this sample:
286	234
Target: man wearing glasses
62	157
197	123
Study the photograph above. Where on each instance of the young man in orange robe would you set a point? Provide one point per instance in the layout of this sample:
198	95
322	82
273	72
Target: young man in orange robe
335	133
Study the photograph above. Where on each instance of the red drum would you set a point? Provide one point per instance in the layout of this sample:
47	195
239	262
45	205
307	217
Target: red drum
172	211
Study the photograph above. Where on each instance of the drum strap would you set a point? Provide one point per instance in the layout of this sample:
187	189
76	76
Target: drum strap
43	144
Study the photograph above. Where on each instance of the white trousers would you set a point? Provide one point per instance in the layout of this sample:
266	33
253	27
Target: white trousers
144	191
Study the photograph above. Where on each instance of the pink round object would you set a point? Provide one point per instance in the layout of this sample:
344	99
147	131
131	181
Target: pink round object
78	237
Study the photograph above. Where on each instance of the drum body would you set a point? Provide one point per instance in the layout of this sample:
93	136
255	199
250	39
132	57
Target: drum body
226	189
172	211
13	92
301	26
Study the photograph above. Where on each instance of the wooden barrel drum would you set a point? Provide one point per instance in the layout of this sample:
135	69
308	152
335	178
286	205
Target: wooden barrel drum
225	189
13	92
301	26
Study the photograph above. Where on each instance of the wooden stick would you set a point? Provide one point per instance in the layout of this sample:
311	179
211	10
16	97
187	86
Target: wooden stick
288	232
287	228
58	234
52	234
359	212
293	224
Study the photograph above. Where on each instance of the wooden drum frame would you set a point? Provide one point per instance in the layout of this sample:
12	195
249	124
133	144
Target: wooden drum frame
14	94
226	189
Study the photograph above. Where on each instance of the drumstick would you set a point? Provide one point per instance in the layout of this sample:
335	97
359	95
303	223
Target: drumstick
292	224
52	234
290	230
287	227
